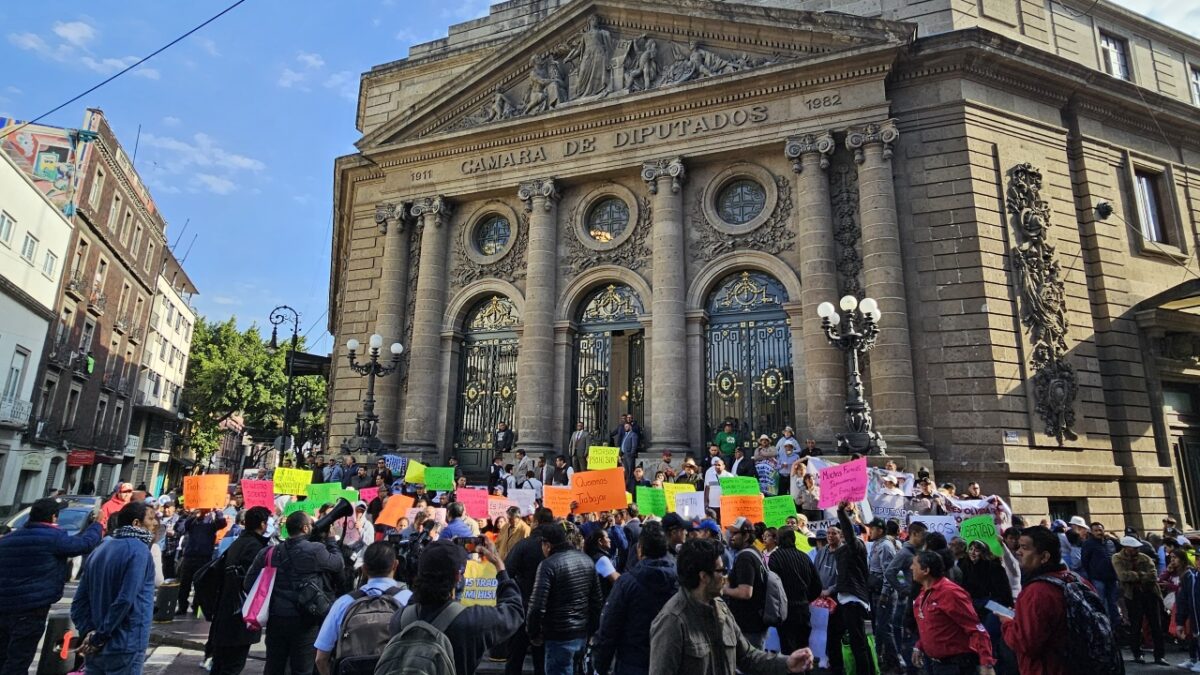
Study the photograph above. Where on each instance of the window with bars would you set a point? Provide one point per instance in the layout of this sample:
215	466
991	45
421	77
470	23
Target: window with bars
1114	55
608	219
491	235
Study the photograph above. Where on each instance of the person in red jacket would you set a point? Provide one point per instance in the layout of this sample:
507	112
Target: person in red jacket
1037	633
952	639
120	498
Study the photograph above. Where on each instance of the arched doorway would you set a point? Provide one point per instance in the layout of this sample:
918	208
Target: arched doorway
487	379
748	357
610	376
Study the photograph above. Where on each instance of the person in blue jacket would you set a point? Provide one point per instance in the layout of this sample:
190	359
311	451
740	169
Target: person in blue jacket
114	604
33	569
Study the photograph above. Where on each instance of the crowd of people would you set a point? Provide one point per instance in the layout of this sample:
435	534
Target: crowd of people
619	592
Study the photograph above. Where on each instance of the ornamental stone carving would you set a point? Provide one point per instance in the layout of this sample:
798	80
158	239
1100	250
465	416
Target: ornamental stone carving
632	253
388	213
884	132
774	236
510	266
1043	308
797	146
660	168
438	206
545	188
843	191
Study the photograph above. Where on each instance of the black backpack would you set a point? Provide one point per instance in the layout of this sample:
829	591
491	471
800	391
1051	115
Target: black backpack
1092	647
364	631
206	586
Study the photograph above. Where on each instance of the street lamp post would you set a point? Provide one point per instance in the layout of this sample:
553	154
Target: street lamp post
279	315
859	437
366	428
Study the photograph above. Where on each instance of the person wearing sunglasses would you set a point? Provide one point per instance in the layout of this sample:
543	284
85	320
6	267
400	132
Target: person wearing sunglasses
687	636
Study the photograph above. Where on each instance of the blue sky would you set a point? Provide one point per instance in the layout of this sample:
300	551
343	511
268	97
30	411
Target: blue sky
240	123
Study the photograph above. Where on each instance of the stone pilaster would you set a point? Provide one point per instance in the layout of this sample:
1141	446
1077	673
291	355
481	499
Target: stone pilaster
535	360
425	360
891	393
668	376
824	364
396	224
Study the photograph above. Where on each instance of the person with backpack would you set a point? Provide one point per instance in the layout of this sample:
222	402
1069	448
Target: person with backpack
1059	625
882	550
952	641
636	598
302	573
356	630
852	596
1139	584
228	636
435	634
745	590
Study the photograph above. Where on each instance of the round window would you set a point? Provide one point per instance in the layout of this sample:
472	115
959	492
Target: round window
491	235
741	201
607	219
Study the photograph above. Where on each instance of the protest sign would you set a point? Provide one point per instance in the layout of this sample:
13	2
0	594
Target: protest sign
210	491
479	584
292	481
329	493
415	473
367	494
673	489
395	464
258	493
733	486
558	499
843	483
827	524
776	510
712	496
946	525
395	507
474	501
498	506
733	506
602	490
982	528
308	506
439	478
651	500
689	505
602	457
523	498
964	509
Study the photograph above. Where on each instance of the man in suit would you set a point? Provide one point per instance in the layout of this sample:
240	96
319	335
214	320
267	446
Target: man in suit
617	435
578	447
629	448
525	464
742	465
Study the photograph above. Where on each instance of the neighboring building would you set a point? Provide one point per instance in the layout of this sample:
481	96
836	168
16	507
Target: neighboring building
36	176
570	210
157	417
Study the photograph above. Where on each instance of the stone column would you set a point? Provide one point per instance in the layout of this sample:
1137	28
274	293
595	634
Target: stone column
824	365
395	223
698	439
891	394
535	360
425	396
668	375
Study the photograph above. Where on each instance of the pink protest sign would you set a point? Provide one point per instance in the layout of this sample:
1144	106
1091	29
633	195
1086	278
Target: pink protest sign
258	493
498	506
474	500
367	494
843	483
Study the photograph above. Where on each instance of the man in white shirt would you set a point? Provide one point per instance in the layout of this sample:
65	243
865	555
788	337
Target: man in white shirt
715	472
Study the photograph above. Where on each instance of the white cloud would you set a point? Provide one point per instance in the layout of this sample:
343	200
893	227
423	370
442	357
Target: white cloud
310	60
345	83
77	33
13	90
109	65
28	42
200	162
209	47
171	121
225	300
1182	16
148	73
290	78
468	9
216	184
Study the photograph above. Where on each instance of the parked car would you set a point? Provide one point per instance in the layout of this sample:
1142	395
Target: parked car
79	512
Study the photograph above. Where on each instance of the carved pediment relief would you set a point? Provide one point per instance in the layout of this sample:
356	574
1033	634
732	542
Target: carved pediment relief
600	52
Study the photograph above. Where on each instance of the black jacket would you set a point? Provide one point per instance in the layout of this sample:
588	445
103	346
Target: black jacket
851	559
522	563
636	599
566	600
296	560
746	467
503	440
985	580
798	574
227	628
201	535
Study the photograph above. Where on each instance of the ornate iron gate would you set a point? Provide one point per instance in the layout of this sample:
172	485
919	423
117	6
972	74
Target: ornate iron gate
749	357
608	314
487	380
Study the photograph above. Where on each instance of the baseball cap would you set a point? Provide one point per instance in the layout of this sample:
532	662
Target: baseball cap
1058	525
45	509
742	524
1131	542
707	524
1169	520
673	521
1078	521
878	522
442	555
889	478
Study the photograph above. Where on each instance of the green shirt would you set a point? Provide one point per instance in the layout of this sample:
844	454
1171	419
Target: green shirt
727	441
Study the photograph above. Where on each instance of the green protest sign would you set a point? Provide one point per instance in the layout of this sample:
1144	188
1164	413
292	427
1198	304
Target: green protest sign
735	486
439	478
328	493
776	510
982	528
308	506
652	500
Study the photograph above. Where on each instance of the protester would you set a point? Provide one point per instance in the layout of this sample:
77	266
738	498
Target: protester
726	440
1037	633
1096	566
380	595
952	639
515	530
34	566
1187	610
883	549
565	606
851	594
696	634
200	531
228	636
898	583
523	562
1138	577
801	584
114	603
122	496
456	525
636	598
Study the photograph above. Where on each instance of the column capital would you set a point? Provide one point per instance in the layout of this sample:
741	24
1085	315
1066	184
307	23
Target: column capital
819	144
543	189
436	207
661	169
883	133
393	213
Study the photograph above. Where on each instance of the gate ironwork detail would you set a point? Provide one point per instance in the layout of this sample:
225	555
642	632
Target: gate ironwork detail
487	381
608	313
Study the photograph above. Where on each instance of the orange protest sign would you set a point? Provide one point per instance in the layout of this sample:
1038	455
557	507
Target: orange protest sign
210	491
558	499
733	506
397	507
602	490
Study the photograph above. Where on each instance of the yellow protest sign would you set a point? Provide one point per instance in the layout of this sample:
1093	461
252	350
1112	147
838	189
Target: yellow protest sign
415	475
479	584
292	481
672	489
602	457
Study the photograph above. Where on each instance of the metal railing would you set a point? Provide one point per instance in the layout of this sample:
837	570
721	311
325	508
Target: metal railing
97	301
77	286
15	411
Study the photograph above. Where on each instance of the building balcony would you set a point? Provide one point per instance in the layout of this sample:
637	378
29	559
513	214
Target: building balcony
124	386
97	301
59	353
110	380
135	334
79	365
46	431
77	287
122	324
154	320
14	412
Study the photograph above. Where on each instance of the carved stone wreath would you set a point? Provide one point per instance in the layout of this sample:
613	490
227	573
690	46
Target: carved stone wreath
509	267
774	236
632	254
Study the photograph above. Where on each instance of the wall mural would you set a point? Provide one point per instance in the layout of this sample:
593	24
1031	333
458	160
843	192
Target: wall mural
46	155
1043	309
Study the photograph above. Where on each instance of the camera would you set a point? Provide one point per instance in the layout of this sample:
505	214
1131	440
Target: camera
409	549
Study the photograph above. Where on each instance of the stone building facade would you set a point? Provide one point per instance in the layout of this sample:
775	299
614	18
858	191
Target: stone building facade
567	211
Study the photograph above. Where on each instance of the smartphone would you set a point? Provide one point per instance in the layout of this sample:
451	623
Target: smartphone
469	543
997	608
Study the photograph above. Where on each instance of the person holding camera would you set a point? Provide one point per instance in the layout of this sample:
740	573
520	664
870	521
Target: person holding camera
304	565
